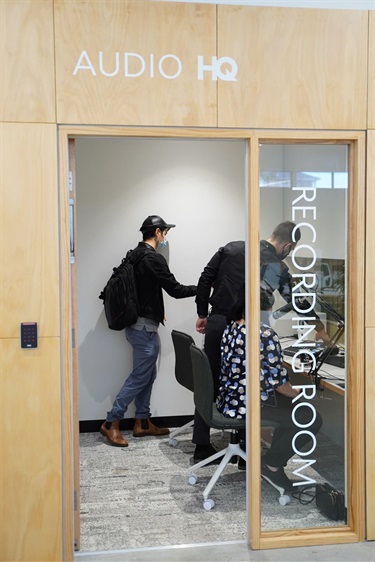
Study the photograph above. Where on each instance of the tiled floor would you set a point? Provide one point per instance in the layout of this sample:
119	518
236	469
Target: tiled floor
237	552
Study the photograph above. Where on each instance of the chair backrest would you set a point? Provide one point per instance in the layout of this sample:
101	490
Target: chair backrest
183	367
203	383
205	399
204	393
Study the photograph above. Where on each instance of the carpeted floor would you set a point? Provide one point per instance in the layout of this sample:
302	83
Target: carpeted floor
138	497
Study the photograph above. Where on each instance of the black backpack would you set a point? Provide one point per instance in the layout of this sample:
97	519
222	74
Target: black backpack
119	296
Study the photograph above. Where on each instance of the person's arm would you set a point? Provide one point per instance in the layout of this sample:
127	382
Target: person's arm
167	280
322	335
206	280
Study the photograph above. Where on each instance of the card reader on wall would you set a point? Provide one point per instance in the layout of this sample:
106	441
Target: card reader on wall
29	335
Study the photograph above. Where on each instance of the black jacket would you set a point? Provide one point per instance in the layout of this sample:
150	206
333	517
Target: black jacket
224	273
152	275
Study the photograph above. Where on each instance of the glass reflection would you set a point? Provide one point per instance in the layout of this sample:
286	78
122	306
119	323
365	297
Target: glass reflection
303	218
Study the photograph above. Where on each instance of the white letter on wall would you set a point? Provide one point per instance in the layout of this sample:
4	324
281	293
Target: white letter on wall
80	66
101	65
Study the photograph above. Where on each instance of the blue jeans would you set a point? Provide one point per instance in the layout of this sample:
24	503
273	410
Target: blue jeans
138	385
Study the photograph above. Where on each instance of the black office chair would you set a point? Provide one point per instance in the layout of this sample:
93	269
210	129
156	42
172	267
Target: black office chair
204	399
183	372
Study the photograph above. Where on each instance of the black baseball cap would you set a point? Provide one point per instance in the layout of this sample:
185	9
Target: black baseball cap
155	221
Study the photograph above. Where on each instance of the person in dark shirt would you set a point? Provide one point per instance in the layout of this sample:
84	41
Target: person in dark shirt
152	275
216	292
275	276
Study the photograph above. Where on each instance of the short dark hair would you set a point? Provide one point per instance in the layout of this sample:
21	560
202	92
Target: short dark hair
149	232
283	232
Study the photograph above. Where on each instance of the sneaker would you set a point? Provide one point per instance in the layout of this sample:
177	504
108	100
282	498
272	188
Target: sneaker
203	452
278	478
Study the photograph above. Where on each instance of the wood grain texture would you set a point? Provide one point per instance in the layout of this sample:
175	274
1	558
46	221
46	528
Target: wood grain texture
371	72
27	84
370	239
253	312
354	327
370	434
70	419
185	31
370	338
75	357
29	251
31	453
297	68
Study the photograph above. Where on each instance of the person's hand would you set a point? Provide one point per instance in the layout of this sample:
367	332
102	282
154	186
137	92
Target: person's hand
287	390
322	335
200	325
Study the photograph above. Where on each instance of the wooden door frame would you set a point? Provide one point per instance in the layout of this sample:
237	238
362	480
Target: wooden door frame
353	531
258	539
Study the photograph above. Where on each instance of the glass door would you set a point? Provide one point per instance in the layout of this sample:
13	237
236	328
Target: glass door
303	256
310	303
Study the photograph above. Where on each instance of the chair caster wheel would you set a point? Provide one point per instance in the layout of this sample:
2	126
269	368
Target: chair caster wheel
173	442
192	479
208	504
284	500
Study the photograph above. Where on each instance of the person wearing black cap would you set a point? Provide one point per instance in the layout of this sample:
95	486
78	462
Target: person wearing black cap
152	274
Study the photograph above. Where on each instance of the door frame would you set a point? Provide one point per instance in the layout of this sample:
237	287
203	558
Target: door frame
257	539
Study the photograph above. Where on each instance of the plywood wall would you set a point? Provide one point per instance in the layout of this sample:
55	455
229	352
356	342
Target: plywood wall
371	72
160	84
29	219
370	338
27	61
31	479
297	68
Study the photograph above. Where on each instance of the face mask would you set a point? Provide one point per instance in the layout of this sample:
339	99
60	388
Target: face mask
162	244
284	254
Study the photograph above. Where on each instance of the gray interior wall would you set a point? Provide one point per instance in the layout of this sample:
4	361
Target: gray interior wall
199	186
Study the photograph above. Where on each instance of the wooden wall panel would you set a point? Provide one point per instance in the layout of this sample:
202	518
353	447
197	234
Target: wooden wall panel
27	61
145	28
371	75
370	434
29	252
370	338
297	68
370	240
31	479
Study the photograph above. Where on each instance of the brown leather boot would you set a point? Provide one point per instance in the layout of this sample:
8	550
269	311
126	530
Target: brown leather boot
111	430
145	427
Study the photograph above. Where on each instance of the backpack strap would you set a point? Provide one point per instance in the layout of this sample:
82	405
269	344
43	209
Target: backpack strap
134	260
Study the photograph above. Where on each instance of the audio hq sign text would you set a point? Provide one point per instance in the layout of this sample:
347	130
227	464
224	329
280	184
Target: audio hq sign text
169	66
